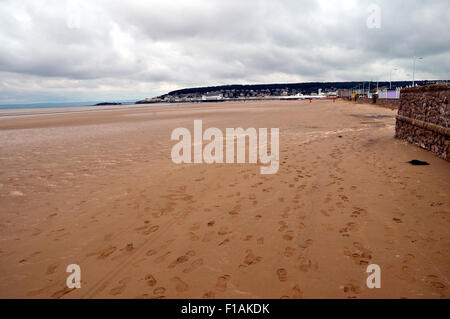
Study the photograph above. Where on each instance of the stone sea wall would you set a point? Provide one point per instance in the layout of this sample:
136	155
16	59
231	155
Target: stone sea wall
423	118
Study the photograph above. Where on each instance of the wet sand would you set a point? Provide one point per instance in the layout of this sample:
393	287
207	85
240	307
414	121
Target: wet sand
99	189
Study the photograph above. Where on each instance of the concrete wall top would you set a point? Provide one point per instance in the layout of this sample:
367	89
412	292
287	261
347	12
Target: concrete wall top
427	88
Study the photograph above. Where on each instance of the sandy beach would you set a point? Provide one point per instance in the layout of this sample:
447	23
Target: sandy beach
98	188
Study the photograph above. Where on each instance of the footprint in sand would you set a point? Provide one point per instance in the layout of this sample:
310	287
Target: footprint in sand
151	230
191	253
432	280
344	232
289	252
102	254
352	227
289	235
305	264
194	265
409	258
223	242
157	215
236	209
361	255
352	290
120	288
129	247
282	274
52	268
151	281
150	252
209	295
357	212
60	293
161	258
159	291
251	259
306	243
223	231
221	284
179	260
297	292
140	228
208	236
193	236
180	285
117	290
323	212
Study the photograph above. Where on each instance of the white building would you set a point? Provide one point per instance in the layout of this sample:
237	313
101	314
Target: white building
215	97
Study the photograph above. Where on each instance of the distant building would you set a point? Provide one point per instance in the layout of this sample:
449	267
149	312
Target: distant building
212	97
332	94
389	94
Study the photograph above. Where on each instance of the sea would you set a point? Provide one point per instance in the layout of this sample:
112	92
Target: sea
60	104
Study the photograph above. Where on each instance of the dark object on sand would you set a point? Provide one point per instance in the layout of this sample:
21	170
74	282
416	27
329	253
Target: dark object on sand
418	163
340	136
107	103
374	98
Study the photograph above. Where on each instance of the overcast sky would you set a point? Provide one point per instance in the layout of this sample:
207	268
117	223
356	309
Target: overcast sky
83	50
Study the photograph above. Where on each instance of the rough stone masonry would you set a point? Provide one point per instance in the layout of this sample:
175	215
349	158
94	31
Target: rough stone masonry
423	118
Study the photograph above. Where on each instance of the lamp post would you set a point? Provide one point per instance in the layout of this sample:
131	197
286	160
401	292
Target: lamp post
390	78
414	68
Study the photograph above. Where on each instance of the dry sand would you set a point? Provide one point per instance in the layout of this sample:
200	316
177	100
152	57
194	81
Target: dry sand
99	189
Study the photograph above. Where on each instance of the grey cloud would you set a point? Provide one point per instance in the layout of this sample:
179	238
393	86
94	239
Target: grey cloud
72	49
